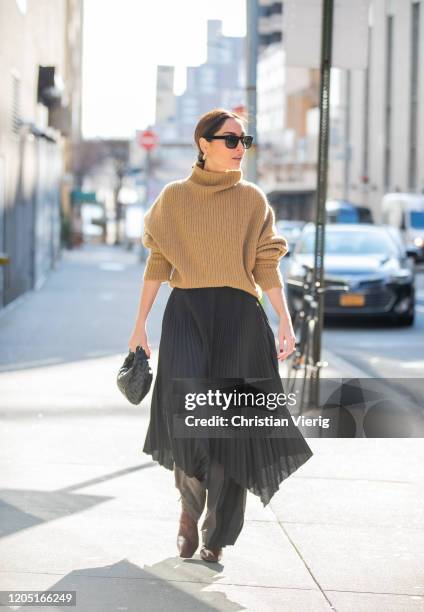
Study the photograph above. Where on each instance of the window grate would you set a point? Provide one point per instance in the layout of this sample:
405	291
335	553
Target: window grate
16	104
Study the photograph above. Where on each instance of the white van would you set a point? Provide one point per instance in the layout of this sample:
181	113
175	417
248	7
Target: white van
406	212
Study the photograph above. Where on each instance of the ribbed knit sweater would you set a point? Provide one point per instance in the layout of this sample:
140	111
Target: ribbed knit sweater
213	229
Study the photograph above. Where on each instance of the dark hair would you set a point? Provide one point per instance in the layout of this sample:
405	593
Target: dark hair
210	123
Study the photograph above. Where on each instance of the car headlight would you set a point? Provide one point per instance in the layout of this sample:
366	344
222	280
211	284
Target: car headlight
418	241
402	276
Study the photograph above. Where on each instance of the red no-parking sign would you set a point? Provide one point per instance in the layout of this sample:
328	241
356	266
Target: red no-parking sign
147	139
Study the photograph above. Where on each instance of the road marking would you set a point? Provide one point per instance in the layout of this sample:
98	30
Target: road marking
107	296
419	365
112	266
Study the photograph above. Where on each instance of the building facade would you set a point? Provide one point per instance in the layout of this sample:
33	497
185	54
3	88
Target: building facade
35	120
382	110
220	81
376	114
287	100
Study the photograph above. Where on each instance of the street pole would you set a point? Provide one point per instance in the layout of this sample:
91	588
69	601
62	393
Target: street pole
251	76
347	146
148	172
119	169
324	134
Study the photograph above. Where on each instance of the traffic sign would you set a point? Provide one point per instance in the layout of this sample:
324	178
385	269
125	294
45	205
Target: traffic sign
147	139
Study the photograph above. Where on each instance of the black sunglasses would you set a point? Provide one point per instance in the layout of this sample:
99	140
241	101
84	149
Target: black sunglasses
231	140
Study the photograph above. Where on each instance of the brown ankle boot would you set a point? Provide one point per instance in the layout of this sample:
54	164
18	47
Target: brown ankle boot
211	555
188	536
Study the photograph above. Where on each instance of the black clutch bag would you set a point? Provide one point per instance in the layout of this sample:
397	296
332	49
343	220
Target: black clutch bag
135	376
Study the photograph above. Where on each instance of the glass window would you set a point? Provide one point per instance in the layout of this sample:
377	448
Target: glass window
348	216
417	219
343	243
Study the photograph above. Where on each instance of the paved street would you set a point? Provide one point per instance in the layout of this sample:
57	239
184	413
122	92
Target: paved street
82	508
394	355
378	350
383	351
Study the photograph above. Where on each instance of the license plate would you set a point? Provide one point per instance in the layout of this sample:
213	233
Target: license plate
352	299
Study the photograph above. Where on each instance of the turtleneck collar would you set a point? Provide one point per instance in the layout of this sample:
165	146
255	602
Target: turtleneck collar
214	181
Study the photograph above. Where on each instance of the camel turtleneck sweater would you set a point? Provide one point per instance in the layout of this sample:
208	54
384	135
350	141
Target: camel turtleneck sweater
213	229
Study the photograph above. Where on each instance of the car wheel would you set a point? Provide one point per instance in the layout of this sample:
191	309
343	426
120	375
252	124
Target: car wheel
405	320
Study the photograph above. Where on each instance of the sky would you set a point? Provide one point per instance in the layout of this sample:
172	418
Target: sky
125	40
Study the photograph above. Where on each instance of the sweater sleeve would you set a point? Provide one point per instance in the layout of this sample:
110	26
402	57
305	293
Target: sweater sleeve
269	250
157	265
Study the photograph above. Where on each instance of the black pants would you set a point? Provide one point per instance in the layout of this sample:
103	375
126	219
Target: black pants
225	504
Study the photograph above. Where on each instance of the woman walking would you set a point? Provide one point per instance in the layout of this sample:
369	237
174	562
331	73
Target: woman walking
212	237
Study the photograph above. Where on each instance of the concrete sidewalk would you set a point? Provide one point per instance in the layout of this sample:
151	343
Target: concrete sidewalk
81	508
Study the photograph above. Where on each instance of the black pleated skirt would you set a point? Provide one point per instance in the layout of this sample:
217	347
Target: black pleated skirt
220	332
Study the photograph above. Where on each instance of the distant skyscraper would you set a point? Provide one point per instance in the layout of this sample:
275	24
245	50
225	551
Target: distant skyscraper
220	81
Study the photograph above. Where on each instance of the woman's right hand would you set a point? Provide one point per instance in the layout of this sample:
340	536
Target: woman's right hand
139	338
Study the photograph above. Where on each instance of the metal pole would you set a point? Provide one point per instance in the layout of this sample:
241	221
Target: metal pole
324	133
347	146
148	176
251	75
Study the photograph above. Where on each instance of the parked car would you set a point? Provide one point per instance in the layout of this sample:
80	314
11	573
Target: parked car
343	211
366	257
399	237
290	230
405	211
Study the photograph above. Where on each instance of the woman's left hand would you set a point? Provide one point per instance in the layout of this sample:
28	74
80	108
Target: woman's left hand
286	336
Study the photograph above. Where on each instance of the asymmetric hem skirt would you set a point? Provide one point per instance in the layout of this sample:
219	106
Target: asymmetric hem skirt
220	333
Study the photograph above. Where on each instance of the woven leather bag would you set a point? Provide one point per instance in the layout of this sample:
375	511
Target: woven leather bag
135	376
